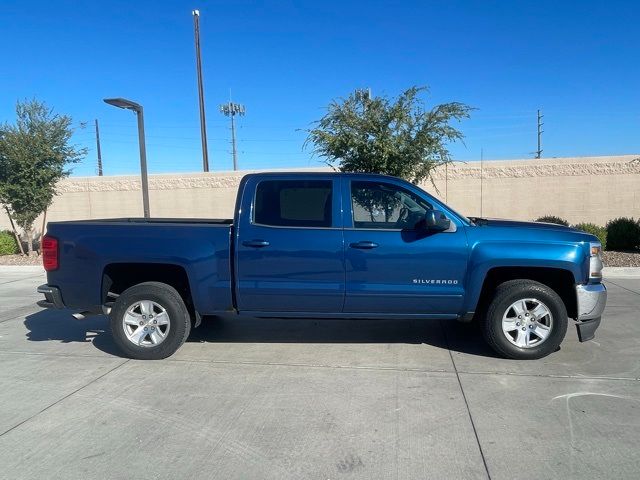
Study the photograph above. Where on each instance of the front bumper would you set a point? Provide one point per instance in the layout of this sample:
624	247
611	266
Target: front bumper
591	299
52	297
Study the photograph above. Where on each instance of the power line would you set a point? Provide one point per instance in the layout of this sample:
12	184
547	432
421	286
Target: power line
476	136
497	127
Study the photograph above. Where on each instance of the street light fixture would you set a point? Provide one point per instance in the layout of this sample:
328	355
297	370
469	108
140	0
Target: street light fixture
129	105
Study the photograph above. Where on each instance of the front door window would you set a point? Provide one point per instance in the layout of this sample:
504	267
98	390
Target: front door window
380	205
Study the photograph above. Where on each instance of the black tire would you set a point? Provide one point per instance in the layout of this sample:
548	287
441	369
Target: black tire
505	295
168	298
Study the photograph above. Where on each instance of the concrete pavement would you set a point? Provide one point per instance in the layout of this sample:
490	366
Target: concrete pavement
248	398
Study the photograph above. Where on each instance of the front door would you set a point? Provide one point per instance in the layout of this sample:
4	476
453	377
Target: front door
393	265
290	252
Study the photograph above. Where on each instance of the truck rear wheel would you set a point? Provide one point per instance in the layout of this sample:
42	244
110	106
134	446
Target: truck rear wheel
150	321
525	320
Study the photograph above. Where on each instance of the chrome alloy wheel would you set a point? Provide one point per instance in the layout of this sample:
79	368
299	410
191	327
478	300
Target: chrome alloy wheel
527	323
146	323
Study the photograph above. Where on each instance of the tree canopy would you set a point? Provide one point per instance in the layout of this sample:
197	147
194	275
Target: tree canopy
34	155
399	137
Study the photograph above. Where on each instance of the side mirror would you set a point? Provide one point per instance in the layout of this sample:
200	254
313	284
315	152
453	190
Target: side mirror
436	220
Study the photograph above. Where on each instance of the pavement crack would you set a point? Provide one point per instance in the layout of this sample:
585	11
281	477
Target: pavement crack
21	279
553	375
63	398
312	365
25	311
397	422
624	288
466	402
425	371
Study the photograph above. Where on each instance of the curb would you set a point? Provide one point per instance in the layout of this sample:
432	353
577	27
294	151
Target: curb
22	268
621	272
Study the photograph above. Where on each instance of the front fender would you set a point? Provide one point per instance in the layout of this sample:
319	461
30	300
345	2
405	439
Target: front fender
485	256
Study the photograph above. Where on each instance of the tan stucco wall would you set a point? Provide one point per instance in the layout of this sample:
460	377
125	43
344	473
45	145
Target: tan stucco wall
593	189
586	189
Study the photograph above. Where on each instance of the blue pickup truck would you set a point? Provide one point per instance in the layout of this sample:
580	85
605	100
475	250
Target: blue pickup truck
327	245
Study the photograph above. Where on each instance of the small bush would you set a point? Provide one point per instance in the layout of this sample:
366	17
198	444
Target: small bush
593	229
8	244
553	219
623	234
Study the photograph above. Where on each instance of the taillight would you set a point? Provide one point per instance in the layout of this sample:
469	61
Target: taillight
49	253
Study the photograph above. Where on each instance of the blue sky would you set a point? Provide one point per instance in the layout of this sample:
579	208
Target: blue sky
577	61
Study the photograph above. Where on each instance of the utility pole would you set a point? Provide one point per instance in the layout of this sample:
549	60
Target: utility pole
540	131
446	182
231	110
364	95
98	149
481	177
203	122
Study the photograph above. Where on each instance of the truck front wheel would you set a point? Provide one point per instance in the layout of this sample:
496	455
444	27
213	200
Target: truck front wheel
525	320
150	321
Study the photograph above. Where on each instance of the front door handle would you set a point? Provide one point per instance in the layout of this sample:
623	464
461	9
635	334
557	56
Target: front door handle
366	245
255	243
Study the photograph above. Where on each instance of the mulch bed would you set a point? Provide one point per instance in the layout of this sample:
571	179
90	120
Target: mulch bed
621	259
20	260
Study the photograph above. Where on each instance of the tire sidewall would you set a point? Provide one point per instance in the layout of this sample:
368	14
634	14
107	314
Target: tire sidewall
170	300
505	299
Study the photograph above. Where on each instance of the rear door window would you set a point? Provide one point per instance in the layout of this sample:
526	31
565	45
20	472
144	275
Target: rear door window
294	203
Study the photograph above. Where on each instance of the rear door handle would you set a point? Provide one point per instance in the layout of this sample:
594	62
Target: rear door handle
255	243
365	245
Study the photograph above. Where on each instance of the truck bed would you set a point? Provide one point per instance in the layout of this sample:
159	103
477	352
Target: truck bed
211	221
89	250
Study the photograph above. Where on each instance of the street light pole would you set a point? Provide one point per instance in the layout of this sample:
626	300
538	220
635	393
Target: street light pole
203	121
143	163
139	111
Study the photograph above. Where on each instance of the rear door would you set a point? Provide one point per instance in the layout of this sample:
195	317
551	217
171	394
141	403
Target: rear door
392	265
289	245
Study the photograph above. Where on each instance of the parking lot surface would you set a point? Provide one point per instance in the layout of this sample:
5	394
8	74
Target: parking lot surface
290	399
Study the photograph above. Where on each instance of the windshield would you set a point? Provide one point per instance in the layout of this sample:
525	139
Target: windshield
458	214
465	219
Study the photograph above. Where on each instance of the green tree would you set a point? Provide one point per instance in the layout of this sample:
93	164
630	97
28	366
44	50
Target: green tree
399	137
34	154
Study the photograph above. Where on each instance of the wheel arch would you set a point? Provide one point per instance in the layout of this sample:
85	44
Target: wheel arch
560	280
117	277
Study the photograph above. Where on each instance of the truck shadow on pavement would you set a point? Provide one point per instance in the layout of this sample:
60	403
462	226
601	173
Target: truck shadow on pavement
60	326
